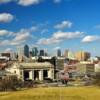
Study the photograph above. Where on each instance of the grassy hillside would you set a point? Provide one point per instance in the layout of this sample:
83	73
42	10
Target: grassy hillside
58	93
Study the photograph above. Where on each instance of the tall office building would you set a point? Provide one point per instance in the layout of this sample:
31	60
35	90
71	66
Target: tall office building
42	53
20	51
34	51
23	51
26	51
66	53
58	53
82	56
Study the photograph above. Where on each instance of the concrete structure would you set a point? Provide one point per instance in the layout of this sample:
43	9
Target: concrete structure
34	51
20	51
82	56
97	67
86	68
58	53
66	53
26	51
23	52
42	53
32	71
8	55
60	63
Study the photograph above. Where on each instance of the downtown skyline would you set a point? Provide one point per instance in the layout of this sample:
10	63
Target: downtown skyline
51	24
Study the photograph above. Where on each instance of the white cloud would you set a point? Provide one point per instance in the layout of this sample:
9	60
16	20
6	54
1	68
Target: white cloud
16	38
63	25
57	1
44	31
8	50
56	48
90	38
97	26
21	37
5	33
67	35
5	1
47	41
28	2
22	2
4	42
60	36
6	17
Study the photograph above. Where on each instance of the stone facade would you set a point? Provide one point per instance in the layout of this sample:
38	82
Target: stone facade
32	71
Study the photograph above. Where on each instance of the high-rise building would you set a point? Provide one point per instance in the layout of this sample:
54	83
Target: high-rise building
26	51
82	56
42	53
23	51
34	51
20	50
66	53
58	53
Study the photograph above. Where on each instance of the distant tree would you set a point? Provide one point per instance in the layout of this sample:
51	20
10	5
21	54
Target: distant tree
9	83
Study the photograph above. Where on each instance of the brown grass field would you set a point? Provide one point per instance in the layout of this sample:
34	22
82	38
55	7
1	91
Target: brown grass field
54	93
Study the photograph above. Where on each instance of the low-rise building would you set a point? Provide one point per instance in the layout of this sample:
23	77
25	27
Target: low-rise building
32	71
86	68
97	67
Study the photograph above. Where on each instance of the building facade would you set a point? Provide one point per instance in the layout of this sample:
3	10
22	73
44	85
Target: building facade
42	53
86	68
26	51
82	56
32	71
23	52
34	51
58	53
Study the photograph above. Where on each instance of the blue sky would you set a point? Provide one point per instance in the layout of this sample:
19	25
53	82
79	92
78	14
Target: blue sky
50	24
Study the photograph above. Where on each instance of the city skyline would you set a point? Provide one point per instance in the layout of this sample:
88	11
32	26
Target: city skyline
51	24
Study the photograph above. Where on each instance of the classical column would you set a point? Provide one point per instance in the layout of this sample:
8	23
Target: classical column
41	75
31	75
51	73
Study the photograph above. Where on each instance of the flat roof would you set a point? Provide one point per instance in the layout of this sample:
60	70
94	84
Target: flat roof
36	65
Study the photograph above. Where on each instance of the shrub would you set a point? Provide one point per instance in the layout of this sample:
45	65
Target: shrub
10	83
97	79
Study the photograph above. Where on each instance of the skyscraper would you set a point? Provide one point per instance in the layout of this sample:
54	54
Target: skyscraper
20	53
82	56
59	53
66	53
34	51
23	51
42	53
26	51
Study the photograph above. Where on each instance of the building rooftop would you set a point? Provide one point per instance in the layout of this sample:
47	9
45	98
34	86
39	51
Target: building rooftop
86	62
36	65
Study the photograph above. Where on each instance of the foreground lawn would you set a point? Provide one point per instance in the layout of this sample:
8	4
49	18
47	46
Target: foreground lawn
54	93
